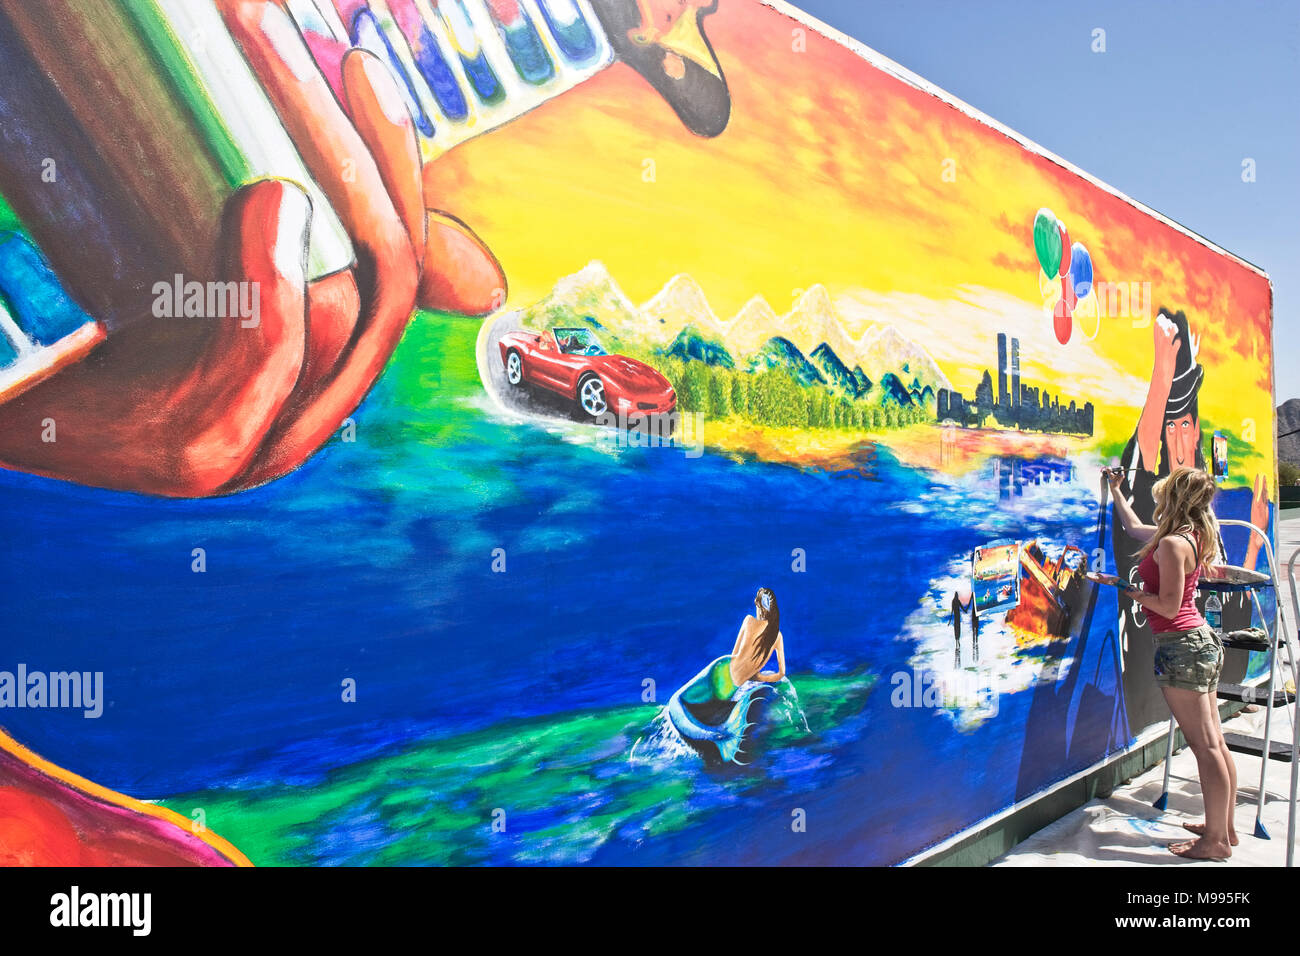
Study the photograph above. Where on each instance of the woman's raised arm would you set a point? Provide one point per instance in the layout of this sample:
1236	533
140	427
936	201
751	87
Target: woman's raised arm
1133	525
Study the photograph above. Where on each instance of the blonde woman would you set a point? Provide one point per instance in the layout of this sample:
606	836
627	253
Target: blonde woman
1181	544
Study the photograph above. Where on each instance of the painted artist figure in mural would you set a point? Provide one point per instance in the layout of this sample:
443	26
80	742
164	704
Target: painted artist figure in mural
1168	436
961	603
1188	657
956	629
759	638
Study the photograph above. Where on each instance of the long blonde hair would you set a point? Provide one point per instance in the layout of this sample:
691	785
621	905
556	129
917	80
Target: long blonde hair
1185	499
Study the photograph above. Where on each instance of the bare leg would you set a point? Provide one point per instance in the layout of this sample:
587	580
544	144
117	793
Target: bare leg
1199	828
1197	717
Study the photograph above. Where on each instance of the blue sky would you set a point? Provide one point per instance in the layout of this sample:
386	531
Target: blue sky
1184	92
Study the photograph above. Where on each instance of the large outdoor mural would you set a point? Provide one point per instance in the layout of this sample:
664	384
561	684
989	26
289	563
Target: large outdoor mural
552	431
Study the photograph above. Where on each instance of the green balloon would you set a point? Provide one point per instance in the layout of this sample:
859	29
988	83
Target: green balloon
1047	242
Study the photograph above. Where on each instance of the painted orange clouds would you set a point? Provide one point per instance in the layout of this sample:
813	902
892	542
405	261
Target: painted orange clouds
835	171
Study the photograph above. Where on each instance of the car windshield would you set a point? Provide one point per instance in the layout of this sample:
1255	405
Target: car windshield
578	342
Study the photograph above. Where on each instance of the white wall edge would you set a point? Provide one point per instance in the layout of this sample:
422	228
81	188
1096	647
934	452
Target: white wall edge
883	63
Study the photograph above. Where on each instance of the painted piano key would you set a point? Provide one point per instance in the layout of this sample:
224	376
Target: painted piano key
38	303
326	38
572	33
403	50
10	337
42	328
519	34
430	60
478	69
458	59
234	115
368	34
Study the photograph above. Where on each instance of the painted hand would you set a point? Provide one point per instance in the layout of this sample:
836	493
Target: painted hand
180	408
1259	503
199	408
1167	341
370	170
1259	518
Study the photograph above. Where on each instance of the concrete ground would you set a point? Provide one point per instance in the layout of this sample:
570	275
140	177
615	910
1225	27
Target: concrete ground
1126	830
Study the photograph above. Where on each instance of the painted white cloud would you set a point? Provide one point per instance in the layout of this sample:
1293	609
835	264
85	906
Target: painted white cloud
961	335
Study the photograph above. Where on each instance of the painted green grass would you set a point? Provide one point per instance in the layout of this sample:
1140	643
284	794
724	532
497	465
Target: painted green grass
566	784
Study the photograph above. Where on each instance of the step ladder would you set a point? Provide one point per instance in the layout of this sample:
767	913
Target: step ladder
1270	695
1295	730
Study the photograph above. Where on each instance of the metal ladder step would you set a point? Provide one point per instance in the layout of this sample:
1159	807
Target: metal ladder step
1234	578
1246	643
1243	744
1245	694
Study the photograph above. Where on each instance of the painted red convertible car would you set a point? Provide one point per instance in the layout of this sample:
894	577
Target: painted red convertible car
571	362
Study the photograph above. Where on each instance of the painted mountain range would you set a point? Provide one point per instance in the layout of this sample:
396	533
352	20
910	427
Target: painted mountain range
810	341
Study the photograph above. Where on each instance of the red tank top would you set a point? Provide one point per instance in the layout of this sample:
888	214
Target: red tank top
1188	616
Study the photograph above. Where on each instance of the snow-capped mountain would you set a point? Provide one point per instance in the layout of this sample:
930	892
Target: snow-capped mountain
884	349
753	325
681	302
678	320
814	321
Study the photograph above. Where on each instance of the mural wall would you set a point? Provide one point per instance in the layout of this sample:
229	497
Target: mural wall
552	431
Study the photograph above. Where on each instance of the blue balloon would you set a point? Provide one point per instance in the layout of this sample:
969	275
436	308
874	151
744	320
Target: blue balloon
1080	270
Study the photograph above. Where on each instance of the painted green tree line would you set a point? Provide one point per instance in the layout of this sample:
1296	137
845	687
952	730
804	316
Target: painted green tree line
774	397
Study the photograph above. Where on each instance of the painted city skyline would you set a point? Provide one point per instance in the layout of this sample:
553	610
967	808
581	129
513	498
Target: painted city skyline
1015	405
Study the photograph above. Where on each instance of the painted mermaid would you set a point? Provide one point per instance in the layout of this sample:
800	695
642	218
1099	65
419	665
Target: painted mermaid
712	711
758	639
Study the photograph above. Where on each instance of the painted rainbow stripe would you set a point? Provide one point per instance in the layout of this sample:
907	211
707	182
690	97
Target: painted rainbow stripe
156	830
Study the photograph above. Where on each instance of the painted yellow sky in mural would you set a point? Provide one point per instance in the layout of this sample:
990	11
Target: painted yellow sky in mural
832	171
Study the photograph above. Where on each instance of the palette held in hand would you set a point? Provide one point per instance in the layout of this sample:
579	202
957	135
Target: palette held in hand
1113	580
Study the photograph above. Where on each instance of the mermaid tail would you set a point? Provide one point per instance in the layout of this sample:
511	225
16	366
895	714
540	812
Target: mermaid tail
711	714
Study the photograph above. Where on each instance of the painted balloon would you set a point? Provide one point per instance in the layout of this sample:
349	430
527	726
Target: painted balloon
1080	270
1064	266
1047	242
1068	296
1062	323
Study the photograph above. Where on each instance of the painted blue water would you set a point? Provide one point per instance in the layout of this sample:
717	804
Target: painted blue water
374	562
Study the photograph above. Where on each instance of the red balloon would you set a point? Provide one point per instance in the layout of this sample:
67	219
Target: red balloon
1065	249
1062	322
1068	294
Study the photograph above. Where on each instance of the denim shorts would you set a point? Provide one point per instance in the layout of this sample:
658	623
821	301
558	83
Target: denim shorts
1190	660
